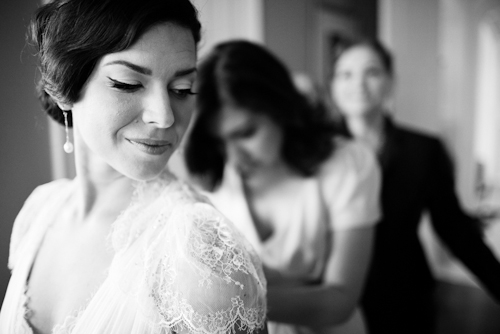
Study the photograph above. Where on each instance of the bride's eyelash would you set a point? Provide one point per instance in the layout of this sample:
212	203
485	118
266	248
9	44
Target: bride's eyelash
124	86
182	93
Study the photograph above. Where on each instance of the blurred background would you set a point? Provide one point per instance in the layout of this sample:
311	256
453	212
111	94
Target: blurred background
448	83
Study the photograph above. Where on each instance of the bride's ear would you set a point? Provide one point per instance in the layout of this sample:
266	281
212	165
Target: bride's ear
66	106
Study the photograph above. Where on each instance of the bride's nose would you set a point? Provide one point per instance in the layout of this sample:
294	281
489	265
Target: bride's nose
158	109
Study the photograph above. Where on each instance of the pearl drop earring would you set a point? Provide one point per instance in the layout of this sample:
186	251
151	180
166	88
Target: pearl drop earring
68	146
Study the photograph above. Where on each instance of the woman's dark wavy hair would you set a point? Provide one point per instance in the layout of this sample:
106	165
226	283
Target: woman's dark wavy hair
246	75
70	36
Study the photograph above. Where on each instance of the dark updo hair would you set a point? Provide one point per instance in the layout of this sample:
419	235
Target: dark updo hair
70	36
246	75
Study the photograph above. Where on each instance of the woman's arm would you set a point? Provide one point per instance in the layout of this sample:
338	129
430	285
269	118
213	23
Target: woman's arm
350	185
456	228
333	301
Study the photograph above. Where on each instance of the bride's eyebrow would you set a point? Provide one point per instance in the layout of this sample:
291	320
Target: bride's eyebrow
132	66
185	72
147	71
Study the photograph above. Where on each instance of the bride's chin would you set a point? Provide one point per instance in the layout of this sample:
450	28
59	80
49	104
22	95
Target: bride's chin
143	173
143	169
148	176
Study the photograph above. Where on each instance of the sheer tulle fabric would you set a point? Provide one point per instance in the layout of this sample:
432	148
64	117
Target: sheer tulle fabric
179	266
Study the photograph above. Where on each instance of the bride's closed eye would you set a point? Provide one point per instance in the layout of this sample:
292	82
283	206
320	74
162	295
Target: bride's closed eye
125	87
178	93
182	93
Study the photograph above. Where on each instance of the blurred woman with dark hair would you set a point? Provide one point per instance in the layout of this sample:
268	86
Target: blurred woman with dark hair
306	201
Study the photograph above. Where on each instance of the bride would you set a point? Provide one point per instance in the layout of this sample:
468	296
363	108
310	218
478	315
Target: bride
124	247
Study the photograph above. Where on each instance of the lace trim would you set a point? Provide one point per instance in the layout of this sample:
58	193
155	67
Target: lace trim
215	254
182	316
212	244
67	325
127	228
25	313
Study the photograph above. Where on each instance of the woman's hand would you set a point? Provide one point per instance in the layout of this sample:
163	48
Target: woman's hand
334	300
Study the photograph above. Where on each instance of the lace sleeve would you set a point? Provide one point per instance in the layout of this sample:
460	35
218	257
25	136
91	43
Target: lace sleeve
207	279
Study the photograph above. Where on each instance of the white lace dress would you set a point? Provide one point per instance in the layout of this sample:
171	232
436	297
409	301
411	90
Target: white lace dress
178	265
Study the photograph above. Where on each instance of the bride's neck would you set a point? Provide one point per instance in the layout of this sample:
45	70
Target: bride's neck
101	189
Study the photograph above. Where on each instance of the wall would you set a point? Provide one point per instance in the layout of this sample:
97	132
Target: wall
409	29
287	24
459	32
229	19
24	150
297	31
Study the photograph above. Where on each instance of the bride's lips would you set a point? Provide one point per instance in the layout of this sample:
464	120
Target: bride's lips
150	146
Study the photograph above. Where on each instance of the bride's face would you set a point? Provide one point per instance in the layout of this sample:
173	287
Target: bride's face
136	105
